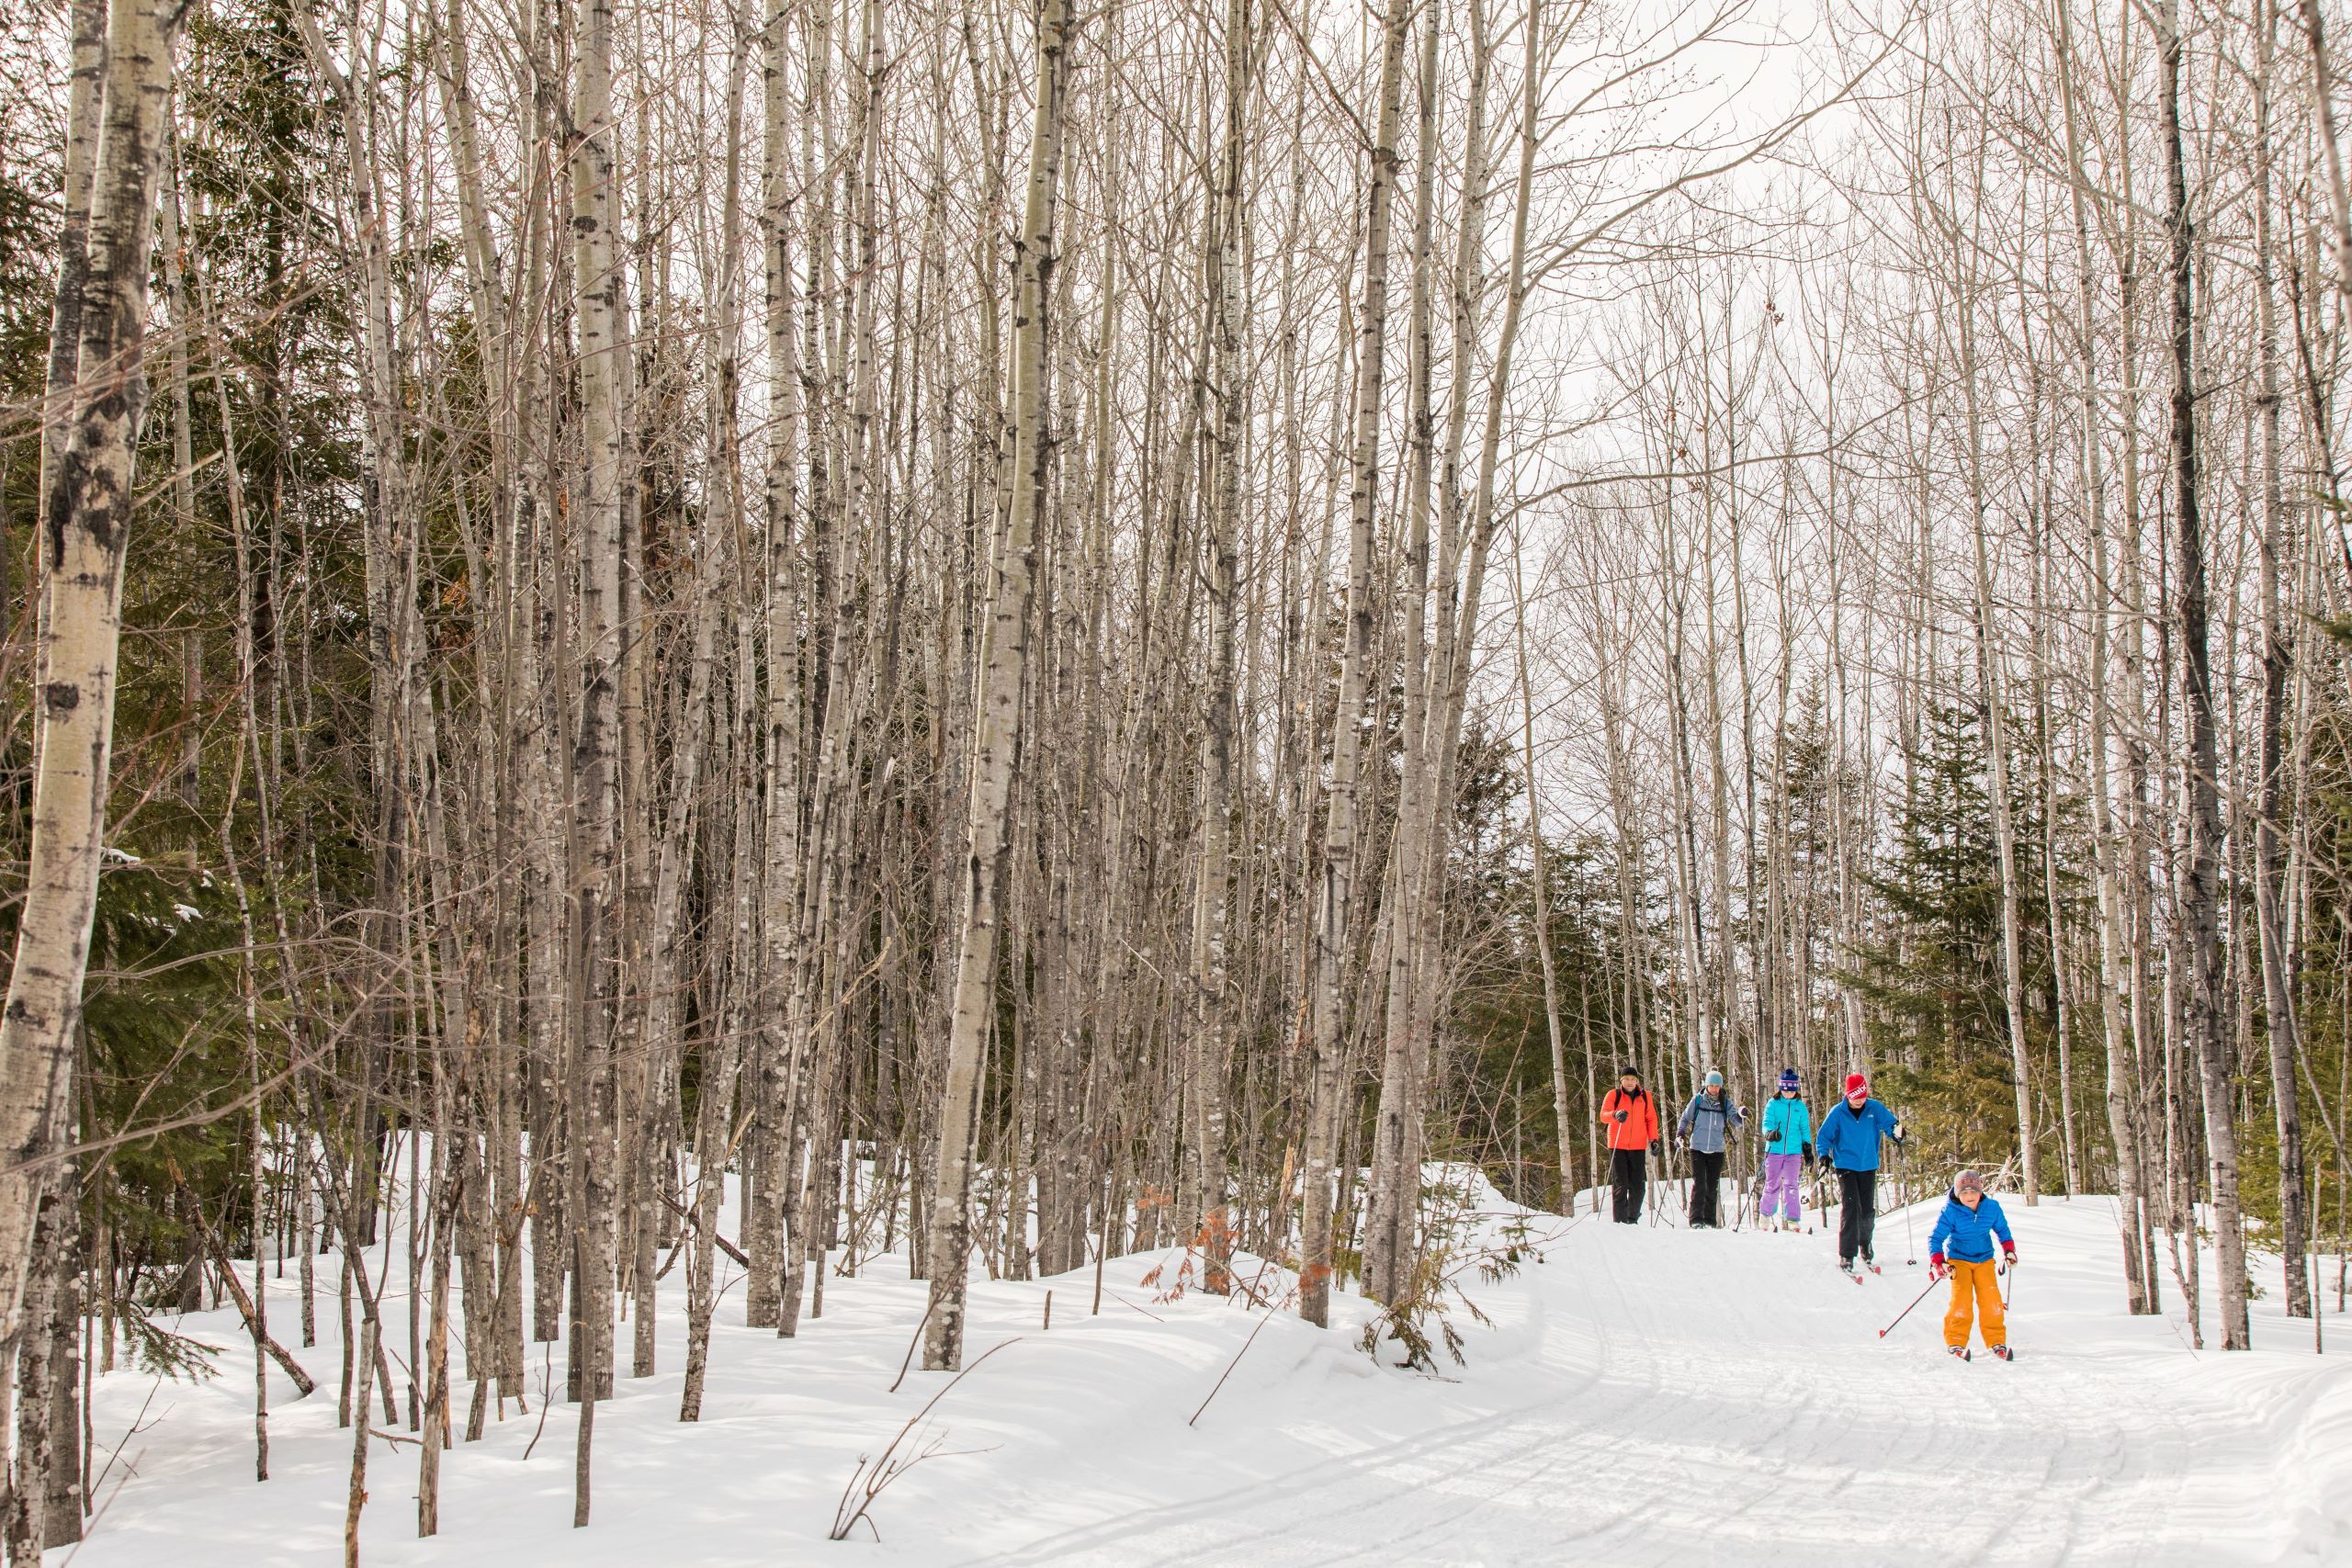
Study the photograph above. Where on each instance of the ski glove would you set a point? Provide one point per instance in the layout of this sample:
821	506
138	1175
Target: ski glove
1937	1267
1657	1146
1808	1152
1621	1116
1774	1136
2010	1253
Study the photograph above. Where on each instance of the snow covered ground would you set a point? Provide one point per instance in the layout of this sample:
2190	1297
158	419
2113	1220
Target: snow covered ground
1643	1395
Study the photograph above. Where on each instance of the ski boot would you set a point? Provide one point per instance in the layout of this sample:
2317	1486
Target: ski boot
2003	1351
1962	1351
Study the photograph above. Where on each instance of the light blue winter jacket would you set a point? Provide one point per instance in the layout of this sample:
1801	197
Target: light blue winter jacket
1851	1139
1788	1126
1706	1121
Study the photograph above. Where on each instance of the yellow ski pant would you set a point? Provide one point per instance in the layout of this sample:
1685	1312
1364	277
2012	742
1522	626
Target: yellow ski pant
1975	1291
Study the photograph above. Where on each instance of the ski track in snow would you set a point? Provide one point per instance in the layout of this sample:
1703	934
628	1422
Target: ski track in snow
1643	1395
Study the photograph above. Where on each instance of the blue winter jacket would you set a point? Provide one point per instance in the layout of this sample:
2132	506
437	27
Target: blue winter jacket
1788	1126
1704	1122
1852	1138
1968	1235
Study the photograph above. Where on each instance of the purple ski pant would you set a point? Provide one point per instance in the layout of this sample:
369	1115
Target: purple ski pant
1782	1173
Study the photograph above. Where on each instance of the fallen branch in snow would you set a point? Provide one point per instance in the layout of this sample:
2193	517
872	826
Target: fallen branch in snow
1265	1319
136	1426
1131	1306
871	1479
909	1358
228	1275
1254	1292
270	1347
99	1517
1100	1289
547	1389
725	1245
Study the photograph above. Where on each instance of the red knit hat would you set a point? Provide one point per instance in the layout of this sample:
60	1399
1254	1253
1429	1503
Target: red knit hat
1857	1083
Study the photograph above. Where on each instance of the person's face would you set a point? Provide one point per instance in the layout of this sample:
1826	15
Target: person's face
1788	1094
1716	1090
1858	1099
1970	1196
1629	1083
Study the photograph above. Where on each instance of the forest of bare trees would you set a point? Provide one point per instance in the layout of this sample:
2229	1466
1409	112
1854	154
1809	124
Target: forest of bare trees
987	635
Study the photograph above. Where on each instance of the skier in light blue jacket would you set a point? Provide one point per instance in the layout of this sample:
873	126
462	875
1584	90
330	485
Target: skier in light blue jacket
1706	1124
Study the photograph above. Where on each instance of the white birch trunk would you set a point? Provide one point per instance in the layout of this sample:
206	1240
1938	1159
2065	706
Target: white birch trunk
997	723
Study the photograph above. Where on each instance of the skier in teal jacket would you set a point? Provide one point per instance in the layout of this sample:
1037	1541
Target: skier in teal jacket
1788	1140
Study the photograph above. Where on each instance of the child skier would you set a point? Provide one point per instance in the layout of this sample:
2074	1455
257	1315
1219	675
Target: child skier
1960	1246
1788	1144
1849	1141
1705	1126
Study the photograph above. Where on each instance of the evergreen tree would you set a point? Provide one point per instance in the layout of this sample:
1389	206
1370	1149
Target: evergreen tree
1933	976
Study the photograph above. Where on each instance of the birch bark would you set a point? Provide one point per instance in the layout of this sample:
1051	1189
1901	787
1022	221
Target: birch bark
85	536
997	724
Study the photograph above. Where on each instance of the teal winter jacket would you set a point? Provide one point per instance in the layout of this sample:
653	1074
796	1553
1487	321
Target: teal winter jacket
1788	1126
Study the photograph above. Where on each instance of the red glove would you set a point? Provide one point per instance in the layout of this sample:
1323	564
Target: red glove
2010	1253
1937	1269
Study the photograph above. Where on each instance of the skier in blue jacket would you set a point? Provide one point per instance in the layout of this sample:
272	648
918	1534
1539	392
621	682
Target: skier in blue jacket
1961	1248
1848	1143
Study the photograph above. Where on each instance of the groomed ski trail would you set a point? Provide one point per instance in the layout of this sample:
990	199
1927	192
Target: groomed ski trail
1715	1392
1642	1395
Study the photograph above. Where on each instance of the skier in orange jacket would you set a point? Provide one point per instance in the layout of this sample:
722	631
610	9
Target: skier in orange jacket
1630	1116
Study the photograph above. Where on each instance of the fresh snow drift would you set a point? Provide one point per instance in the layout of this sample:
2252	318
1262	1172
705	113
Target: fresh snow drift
1641	1395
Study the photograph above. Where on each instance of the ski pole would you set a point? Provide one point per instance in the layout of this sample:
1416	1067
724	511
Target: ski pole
1910	1233
1906	1311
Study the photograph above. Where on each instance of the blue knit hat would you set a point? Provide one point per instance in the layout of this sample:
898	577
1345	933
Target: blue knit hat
1788	1077
1714	1081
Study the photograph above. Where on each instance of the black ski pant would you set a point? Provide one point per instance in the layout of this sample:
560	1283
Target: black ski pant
1629	1178
1857	1212
1706	1177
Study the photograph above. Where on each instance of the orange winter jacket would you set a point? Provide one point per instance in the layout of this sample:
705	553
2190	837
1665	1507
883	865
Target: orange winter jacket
1639	1128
